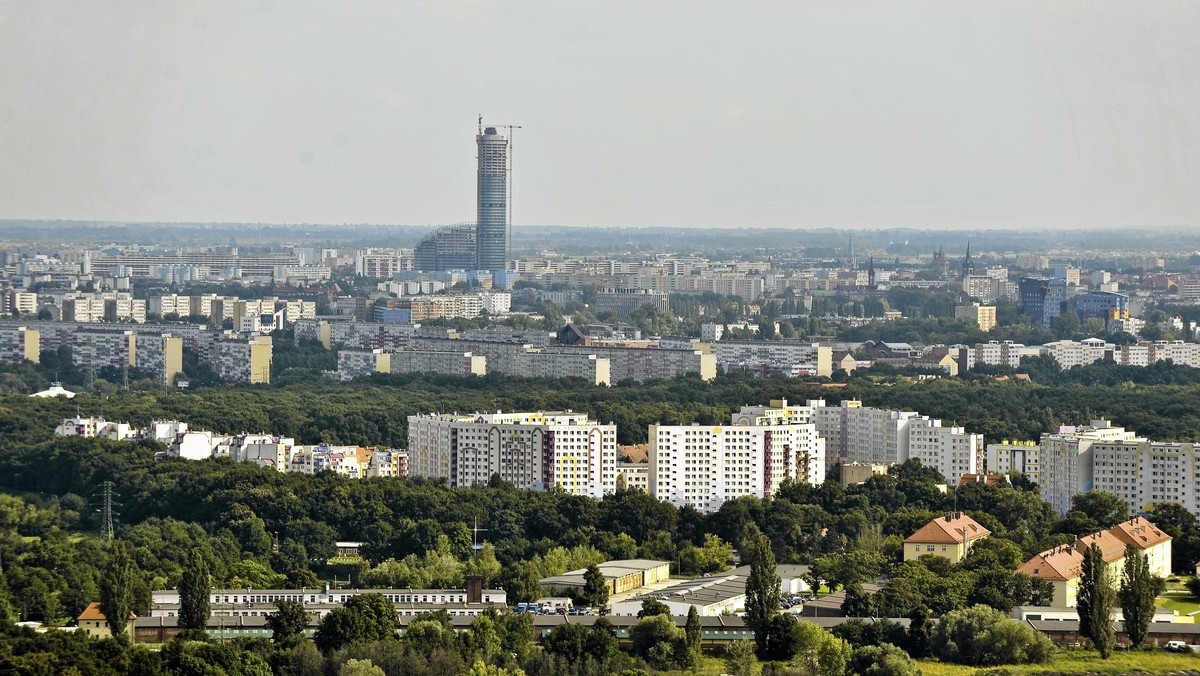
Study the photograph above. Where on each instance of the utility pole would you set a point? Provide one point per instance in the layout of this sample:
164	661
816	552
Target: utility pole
106	509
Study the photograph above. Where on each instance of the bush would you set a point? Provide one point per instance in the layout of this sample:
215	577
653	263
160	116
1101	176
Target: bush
1193	585
985	636
882	660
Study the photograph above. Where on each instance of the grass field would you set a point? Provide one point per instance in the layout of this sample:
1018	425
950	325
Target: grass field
1080	662
1065	663
1181	602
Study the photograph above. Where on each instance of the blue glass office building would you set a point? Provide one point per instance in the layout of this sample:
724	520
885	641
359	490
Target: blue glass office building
491	222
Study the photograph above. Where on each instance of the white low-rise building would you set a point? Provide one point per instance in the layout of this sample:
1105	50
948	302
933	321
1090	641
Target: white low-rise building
97	428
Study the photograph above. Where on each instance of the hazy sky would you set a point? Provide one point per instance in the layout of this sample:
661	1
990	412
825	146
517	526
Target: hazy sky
999	113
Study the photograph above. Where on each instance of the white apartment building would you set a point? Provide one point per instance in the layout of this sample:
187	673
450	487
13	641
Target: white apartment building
992	353
856	433
1070	353
265	450
496	302
1066	462
951	450
801	358
378	263
542	450
1023	457
535	363
391	463
705	466
198	445
95	428
1145	473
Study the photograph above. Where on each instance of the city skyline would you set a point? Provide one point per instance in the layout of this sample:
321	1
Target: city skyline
1013	115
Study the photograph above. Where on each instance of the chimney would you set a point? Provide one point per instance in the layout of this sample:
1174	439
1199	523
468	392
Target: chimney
474	589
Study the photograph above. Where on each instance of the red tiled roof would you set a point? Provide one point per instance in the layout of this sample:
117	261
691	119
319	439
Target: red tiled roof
986	479
1111	547
92	612
1061	563
635	452
1065	562
948	530
1140	533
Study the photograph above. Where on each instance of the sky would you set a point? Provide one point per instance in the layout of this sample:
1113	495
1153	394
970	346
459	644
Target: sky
634	113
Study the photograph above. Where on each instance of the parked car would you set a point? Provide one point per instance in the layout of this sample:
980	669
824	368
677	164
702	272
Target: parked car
1176	646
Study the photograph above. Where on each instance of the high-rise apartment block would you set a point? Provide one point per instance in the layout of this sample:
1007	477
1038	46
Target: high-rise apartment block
243	360
876	436
1042	299
705	466
542	451
18	344
491	223
982	316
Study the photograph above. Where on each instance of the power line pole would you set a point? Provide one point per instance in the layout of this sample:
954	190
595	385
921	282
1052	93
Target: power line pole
106	509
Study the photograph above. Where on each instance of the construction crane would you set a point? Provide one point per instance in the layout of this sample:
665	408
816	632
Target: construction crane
508	239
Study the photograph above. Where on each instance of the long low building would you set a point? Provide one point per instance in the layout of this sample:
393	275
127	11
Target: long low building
156	349
715	631
716	595
249	602
622	576
598	364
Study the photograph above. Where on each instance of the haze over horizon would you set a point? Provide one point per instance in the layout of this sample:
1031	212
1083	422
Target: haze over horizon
700	114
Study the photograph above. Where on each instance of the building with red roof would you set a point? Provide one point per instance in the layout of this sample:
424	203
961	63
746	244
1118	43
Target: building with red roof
1062	565
949	537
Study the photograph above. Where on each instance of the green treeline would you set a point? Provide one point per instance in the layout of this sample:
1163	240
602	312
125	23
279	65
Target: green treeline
1161	402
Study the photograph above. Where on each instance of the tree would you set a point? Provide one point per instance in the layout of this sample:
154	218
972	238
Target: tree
652	606
921	629
116	589
882	660
362	619
712	557
763	586
739	658
595	587
983	636
1138	590
287	623
1095	600
484	564
1103	508
194	590
657	640
694	634
818	652
858	602
360	668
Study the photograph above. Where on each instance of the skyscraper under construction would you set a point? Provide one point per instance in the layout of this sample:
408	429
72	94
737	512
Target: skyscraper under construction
491	221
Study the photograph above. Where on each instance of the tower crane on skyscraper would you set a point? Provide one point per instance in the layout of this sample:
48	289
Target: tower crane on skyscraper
508	241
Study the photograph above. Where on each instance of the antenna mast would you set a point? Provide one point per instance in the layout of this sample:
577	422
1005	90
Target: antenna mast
475	546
